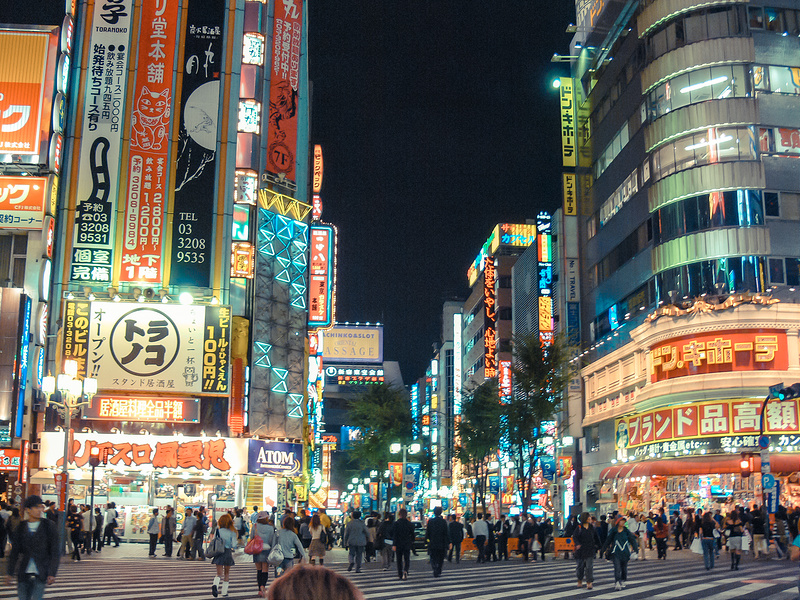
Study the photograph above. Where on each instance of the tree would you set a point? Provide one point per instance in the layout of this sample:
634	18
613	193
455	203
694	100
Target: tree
540	376
479	432
383	413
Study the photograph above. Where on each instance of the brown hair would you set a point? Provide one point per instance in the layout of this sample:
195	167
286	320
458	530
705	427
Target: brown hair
312	583
226	522
288	523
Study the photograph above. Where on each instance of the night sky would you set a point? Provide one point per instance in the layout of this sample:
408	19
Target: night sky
437	120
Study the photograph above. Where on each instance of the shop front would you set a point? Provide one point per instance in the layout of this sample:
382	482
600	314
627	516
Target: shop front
672	415
146	471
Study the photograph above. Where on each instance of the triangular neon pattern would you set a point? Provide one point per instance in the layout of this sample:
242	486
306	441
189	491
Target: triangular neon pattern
262	358
296	406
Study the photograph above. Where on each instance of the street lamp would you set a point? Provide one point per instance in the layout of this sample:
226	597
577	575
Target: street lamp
412	448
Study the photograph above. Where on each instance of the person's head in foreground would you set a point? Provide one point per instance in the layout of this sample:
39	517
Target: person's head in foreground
313	583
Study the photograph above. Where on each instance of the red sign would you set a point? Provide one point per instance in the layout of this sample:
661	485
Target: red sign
490	304
148	166
719	352
9	459
24	461
505	378
22	202
283	89
61	489
320	273
147	409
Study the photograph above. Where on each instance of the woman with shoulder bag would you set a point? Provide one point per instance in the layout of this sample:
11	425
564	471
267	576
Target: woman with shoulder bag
263	530
229	536
620	544
316	548
289	543
734	530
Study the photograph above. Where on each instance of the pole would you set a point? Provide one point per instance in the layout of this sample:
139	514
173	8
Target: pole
91	509
403	478
62	520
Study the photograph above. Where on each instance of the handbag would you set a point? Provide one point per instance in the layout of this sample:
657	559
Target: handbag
254	546
716	533
215	548
275	556
697	546
536	546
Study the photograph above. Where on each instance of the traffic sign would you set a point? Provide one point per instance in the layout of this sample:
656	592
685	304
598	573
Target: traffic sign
767	481
763	441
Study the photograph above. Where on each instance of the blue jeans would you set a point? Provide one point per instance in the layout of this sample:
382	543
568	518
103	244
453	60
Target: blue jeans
709	550
30	588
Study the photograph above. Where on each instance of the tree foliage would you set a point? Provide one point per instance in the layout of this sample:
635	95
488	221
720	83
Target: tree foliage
479	432
540	376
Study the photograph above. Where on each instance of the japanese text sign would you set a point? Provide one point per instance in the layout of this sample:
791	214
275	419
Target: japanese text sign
136	453
718	352
10	459
146	409
719	418
490	309
22	202
143	228
160	348
570	201
97	191
284	87
320	272
275	459
23	69
567	102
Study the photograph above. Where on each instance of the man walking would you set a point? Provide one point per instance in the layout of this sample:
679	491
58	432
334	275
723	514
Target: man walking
168	530
585	549
502	528
438	540
97	532
35	552
403	537
111	525
355	538
480	530
87	528
200	529
456	533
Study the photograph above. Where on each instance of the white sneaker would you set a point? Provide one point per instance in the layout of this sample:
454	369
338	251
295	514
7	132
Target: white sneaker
623	584
617	586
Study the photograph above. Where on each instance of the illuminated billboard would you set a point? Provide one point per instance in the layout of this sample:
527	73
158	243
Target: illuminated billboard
23	201
284	90
321	276
354	344
100	147
148	161
148	409
568	135
150	348
26	94
490	319
520	235
545	270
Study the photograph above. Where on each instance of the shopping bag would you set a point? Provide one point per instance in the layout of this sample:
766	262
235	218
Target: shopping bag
745	543
697	546
536	546
254	546
275	556
634	556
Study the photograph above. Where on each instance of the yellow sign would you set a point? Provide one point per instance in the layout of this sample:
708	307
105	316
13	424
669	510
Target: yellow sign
353	344
567	102
570	201
545	314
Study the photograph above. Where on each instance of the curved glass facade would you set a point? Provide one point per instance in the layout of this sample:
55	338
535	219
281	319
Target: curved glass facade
737	208
736	274
712	83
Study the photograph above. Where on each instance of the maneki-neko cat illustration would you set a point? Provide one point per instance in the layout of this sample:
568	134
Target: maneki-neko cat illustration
150	119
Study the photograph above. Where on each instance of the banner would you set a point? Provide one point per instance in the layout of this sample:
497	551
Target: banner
166	348
283	89
195	194
143	228
97	190
353	344
568	136
23	70
274	459
321	274
23	202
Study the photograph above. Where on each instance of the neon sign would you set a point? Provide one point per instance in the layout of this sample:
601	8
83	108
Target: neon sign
490	333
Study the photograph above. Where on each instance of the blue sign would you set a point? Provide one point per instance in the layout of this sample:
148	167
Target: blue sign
24	345
462	499
350	436
767	481
771	498
276	459
494	485
445	503
763	442
573	323
548	464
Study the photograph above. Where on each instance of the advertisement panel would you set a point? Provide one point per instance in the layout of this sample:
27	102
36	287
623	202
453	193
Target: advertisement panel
143	228
713	426
97	190
149	409
274	459
167	348
489	320
22	202
216	455
23	70
353	344
194	199
719	352
283	89
570	200
567	104
321	273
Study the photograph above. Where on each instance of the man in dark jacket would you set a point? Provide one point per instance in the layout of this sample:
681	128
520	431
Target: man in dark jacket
456	533
502	528
585	541
526	536
35	552
403	537
438	540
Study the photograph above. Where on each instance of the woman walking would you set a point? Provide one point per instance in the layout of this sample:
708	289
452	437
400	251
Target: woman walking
317	547
224	561
75	522
622	544
734	530
707	531
384	540
661	532
264	530
289	542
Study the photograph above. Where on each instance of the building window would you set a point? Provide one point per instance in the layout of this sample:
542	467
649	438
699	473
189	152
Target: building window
772	206
504	314
776	271
504	283
792	271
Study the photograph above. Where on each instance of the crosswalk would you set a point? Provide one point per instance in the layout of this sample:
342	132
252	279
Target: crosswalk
681	577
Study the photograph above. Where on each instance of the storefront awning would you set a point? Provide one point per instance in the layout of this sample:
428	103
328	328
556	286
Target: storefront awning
43	477
707	465
617	471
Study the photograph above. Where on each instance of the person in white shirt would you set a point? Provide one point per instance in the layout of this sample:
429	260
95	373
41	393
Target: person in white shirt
111	524
480	531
